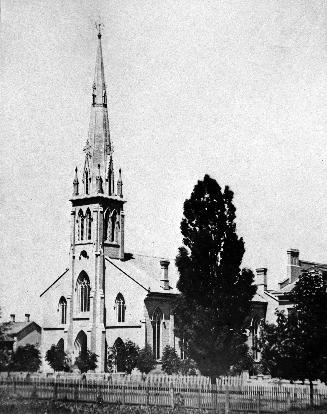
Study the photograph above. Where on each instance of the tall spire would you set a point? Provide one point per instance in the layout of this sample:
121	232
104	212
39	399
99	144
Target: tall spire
99	84
98	143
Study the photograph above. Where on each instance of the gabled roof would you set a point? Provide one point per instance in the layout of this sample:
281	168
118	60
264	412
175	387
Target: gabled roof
146	271
58	278
14	328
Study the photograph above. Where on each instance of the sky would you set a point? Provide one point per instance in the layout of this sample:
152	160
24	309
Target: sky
231	88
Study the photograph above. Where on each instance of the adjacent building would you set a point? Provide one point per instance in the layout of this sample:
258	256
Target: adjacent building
20	333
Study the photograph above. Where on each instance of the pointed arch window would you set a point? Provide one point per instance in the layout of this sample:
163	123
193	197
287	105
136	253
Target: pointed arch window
255	338
82	227
156	328
63	310
113	227
120	307
88	224
83	292
106	227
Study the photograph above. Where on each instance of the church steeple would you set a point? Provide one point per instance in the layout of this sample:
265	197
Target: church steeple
98	200
98	148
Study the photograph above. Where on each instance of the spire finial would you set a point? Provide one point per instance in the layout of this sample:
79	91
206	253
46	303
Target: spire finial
120	185
75	183
99	25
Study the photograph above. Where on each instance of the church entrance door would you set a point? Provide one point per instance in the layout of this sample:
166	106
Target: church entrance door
80	344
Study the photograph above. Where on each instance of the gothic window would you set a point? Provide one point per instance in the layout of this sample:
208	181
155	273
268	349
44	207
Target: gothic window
106	227
120	308
156	328
254	338
113	232
88	224
82	227
83	292
80	344
63	310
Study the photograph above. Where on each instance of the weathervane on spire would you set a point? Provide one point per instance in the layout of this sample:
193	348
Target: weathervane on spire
99	26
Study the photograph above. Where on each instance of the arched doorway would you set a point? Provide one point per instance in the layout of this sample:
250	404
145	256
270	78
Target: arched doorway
80	344
61	344
120	355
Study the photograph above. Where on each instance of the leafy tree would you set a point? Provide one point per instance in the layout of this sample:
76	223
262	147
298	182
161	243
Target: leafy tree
26	358
295	348
57	358
170	360
187	367
131	355
112	359
86	361
5	359
146	360
216	293
5	353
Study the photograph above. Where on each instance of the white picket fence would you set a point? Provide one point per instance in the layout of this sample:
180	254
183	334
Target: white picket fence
166	392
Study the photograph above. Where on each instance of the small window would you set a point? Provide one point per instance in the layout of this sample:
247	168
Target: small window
63	310
89	224
113	235
120	308
82	227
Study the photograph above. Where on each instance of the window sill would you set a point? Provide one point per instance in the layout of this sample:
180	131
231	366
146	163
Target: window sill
82	242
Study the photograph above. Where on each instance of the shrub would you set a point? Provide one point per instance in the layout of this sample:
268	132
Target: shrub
170	361
131	356
146	361
187	367
26	358
86	361
57	358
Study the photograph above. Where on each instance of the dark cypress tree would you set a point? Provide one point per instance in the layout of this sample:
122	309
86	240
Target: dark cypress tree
216	293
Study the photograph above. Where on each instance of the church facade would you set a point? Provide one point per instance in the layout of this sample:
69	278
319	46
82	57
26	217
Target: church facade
106	295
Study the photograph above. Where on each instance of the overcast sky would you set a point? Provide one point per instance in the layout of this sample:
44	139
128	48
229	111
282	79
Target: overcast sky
236	89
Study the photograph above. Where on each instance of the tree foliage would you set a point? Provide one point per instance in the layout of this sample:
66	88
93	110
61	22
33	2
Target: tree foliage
146	360
5	353
125	356
26	358
216	293
57	358
131	355
295	348
170	361
86	361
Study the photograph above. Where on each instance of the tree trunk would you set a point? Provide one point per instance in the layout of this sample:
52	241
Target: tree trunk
311	393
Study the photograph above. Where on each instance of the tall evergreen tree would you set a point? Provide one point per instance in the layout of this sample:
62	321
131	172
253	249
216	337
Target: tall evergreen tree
216	293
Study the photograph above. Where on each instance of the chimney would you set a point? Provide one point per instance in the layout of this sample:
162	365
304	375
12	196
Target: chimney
293	265
27	317
164	266
12	317
261	279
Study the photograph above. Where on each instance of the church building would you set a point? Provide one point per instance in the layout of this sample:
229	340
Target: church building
106	295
